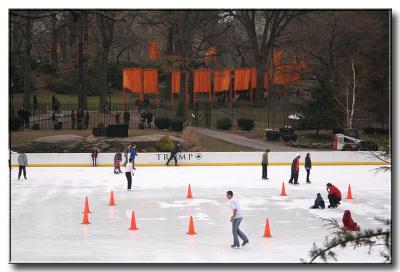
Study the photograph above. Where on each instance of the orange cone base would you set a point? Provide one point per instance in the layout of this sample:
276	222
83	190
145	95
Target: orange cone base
193	233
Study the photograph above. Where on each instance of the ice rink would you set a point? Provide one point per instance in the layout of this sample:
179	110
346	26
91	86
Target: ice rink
46	213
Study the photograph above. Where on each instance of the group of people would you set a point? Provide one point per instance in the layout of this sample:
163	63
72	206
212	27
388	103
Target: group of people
146	118
24	115
78	117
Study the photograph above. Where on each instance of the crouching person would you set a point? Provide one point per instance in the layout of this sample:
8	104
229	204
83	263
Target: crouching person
334	195
319	203
348	223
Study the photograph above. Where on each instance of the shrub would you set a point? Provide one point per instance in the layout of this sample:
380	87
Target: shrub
369	130
383	131
224	124
246	124
101	125
286	130
368	146
161	122
287	137
177	124
165	144
272	135
36	126
15	123
190	139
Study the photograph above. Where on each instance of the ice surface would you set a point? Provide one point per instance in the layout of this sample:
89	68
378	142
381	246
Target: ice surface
46	212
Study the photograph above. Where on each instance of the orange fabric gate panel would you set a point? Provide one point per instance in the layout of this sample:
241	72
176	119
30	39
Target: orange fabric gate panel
242	79
222	80
175	82
132	79
150	81
202	80
253	78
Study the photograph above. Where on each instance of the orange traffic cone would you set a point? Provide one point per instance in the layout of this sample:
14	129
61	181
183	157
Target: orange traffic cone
189	192
133	222
349	195
191	227
283	190
267	232
112	202
85	218
86	209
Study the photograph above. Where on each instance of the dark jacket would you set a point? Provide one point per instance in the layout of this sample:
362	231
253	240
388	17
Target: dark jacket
294	164
175	150
319	203
127	116
133	153
307	162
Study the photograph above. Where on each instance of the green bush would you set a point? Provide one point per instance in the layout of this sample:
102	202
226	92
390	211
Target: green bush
177	124
36	126
246	124
165	144
224	124
161	122
15	123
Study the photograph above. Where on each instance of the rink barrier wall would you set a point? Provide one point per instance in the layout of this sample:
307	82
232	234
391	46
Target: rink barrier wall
319	158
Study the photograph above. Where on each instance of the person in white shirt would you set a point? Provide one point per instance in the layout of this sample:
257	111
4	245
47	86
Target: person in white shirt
129	173
236	218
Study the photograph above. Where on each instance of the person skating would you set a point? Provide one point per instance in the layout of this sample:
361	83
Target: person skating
22	163
307	166
133	154
236	219
129	173
264	164
348	223
295	170
117	163
127	153
95	153
174	153
319	203
334	195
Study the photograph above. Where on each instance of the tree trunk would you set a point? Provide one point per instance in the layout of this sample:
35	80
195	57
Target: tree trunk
103	79
82	104
53	45
170	49
27	64
260	66
181	111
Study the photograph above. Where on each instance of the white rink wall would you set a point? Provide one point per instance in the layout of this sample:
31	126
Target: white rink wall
203	158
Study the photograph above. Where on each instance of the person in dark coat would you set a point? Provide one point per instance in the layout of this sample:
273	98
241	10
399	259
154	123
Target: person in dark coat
127	153
27	116
174	153
95	153
319	203
21	114
149	118
334	195
264	164
127	117
348	223
73	119
307	166
117	117
86	120
143	119
295	170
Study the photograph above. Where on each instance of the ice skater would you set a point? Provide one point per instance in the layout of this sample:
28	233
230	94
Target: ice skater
117	163
95	153
334	195
129	174
22	163
295	170
174	153
319	203
348	223
127	153
264	164
307	166
133	155
236	218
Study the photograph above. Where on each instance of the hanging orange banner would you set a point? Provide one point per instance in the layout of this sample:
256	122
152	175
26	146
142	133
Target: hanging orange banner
253	75
222	79
132	79
242	79
175	82
150	81
202	81
153	52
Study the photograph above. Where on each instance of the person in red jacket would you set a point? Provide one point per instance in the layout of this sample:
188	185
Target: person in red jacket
295	170
334	195
348	223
